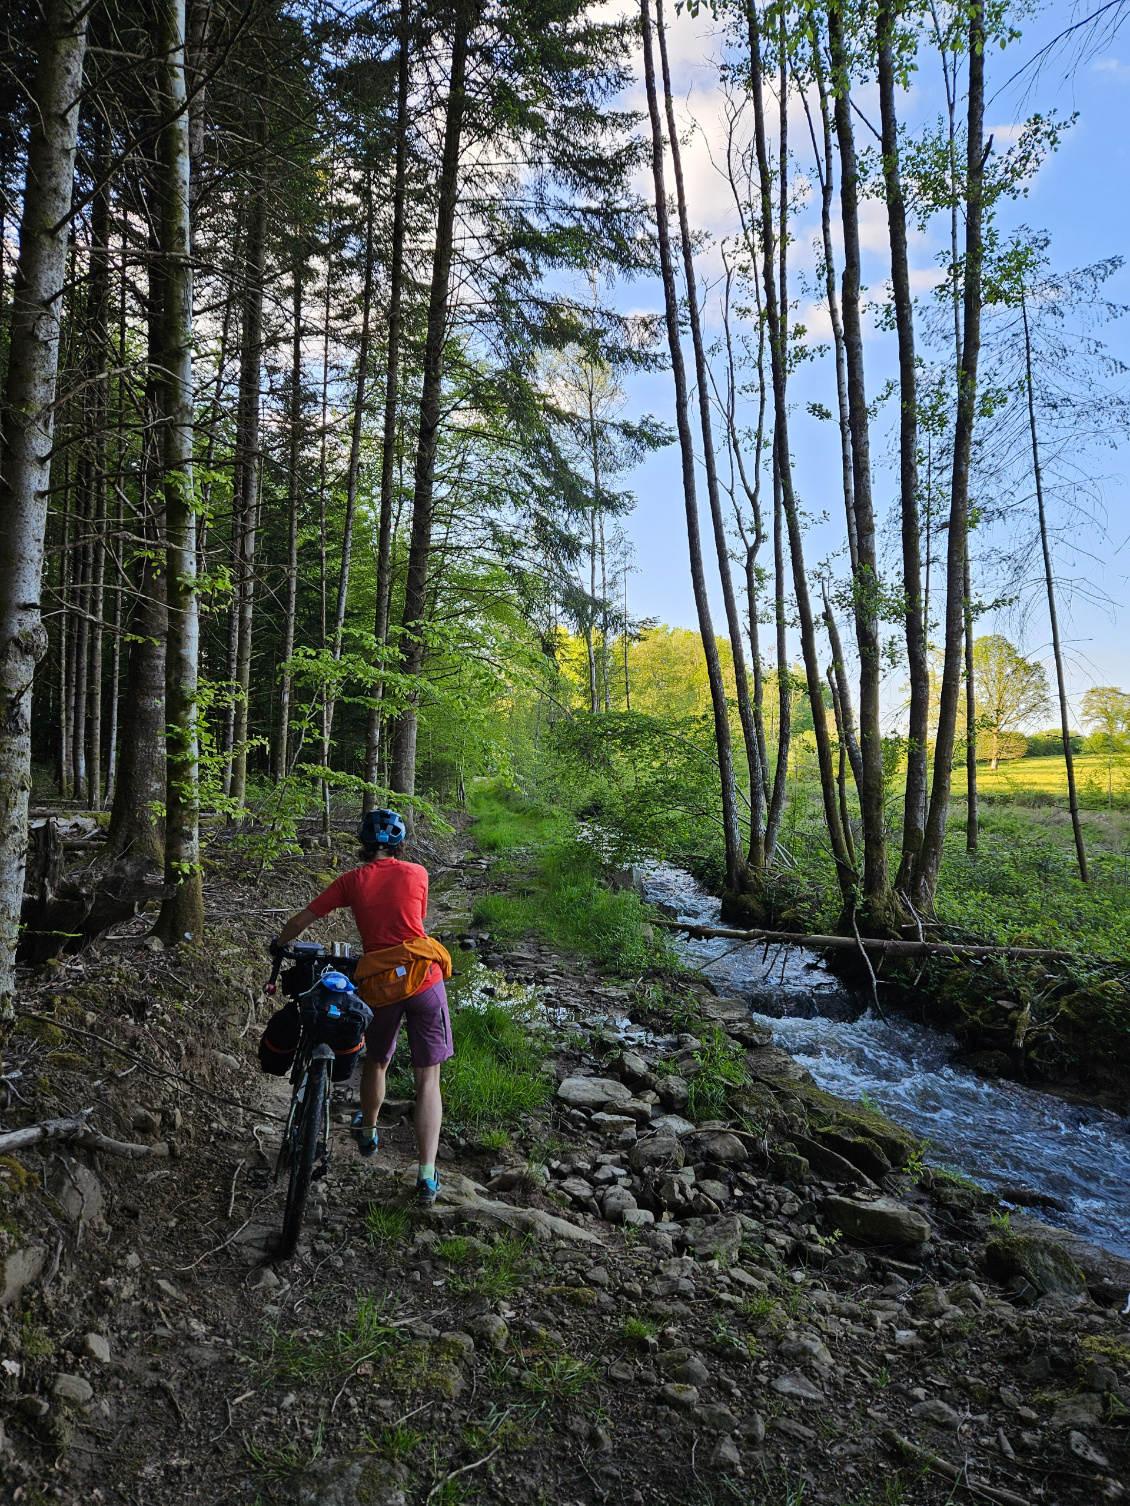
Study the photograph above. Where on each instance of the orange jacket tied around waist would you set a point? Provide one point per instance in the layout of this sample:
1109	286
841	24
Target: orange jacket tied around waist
397	972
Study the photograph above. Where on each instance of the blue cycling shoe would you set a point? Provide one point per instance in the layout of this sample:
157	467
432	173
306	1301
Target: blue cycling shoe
426	1190
366	1144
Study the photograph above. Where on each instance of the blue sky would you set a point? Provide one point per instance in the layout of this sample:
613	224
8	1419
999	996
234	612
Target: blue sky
1081	196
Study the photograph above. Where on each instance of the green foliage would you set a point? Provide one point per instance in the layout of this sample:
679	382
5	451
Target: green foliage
506	1266
721	1070
323	1357
638	1330
457	1249
385	1223
494	1077
506	819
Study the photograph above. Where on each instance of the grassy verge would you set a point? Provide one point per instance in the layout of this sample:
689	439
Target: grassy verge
561	895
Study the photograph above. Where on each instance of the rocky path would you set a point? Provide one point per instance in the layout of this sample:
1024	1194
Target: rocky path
623	1300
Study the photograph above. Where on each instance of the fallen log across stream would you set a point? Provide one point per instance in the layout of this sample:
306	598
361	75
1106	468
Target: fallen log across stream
701	932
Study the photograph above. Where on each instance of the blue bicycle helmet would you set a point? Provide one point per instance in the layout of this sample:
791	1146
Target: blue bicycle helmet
382	829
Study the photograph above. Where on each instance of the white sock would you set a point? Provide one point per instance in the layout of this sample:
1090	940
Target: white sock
426	1173
367	1131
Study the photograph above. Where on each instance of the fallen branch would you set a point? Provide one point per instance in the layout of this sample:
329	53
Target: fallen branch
76	1130
462	1470
950	1471
872	944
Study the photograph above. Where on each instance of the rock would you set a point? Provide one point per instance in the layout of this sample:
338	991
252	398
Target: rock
638	1110
1043	1263
825	1162
76	1189
607	1124
1082	1411
967	1293
72	1389
937	1413
798	1349
930	1302
264	1280
636	1070
753	1428
345	1482
723	1148
167	1289
617	1202
860	1151
722	1236
18	1269
145	1121
637	1218
692	1372
675	1394
491	1328
600	1438
35	1407
724	1454
462	1341
1084	1449
883	1221
671	1124
578	1188
797	1387
716	1419
717	1192
97	1346
673	1092
509	1178
790	1166
655	1153
592	1092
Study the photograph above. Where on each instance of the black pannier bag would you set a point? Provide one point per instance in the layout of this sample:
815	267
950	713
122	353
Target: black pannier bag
338	1020
279	1041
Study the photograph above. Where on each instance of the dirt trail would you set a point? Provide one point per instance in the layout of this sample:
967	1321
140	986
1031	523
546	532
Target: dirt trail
617	1307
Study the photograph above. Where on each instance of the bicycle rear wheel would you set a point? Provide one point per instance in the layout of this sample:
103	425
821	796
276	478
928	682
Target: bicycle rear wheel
304	1154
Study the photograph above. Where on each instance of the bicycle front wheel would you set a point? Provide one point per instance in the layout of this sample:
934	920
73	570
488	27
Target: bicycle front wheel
304	1154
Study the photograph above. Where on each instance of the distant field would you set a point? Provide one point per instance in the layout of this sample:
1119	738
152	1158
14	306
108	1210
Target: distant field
1036	780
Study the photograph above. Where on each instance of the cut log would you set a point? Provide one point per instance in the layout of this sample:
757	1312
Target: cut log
872	944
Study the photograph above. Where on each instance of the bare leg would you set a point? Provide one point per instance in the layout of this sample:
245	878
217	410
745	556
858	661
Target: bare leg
429	1112
374	1076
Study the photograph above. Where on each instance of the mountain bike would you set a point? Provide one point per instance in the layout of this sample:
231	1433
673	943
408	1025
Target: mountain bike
318	1035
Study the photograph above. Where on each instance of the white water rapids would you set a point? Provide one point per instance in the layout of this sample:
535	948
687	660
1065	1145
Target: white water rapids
998	1132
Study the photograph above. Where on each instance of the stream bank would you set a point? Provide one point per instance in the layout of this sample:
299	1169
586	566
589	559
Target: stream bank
616	1298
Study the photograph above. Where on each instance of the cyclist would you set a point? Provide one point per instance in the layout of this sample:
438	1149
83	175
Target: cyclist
389	900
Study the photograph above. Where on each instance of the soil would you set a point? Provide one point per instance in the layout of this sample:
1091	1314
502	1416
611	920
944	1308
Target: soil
727	1341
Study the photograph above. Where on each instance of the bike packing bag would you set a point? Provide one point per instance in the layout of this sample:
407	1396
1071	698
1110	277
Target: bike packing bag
337	1020
279	1042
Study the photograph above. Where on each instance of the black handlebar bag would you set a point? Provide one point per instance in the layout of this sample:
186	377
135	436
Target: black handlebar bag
337	1020
278	1044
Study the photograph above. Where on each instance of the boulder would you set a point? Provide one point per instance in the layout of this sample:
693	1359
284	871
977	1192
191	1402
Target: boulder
722	1148
671	1124
592	1092
673	1093
617	1202
883	1221
73	1389
789	1166
796	1386
714	1237
18	1269
800	1349
675	1394
76	1189
1044	1265
858	1150
827	1163
636	1070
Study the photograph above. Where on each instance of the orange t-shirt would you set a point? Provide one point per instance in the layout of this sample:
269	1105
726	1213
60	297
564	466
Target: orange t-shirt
389	900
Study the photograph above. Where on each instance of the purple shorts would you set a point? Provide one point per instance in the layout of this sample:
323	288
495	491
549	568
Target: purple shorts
428	1024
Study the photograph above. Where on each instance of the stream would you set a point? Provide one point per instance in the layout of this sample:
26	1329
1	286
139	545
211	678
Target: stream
1001	1134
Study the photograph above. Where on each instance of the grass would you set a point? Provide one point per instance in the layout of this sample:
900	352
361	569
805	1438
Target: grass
494	1078
505	819
721	1069
559	1378
395	1442
385	1224
323	1357
458	1249
638	1330
505	1268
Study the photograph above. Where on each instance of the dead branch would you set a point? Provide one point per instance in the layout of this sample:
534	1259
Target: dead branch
76	1130
872	944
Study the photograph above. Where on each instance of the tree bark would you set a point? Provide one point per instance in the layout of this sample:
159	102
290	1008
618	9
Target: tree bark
182	911
776	810
930	861
99	336
914	801
845	716
736	866
776	314
403	771
245	504
972	805
290	601
702	378
392	395
1049	580
27	430
877	899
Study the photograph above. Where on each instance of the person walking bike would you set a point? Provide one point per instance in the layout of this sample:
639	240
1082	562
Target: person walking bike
400	976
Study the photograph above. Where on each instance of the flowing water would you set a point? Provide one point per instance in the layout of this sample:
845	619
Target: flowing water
1002	1134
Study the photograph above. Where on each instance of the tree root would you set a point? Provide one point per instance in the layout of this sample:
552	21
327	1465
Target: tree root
76	1131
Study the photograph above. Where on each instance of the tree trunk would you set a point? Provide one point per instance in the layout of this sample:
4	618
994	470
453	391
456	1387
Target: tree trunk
83	526
776	314
866	587
392	393
914	801
27	429
845	715
721	543
784	674
245	505
182	911
841	772
973	821
736	866
99	335
403	772
1049	580
282	735
926	873
66	653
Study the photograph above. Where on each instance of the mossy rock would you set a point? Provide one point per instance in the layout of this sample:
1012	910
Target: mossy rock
1045	1265
70	1061
41	1030
827	1111
425	1365
579	1296
789	1166
757	1105
15	1179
